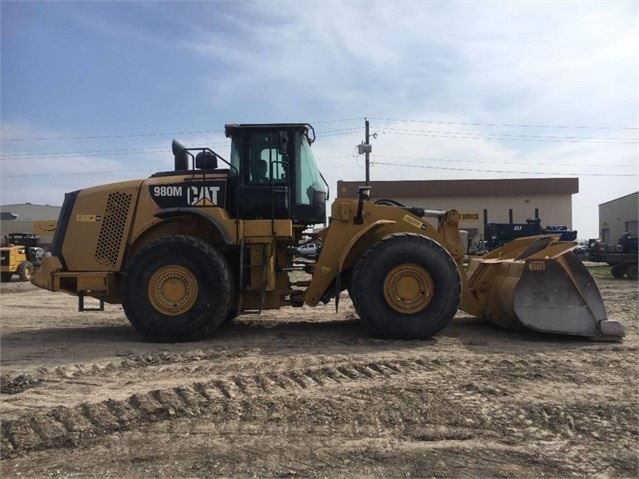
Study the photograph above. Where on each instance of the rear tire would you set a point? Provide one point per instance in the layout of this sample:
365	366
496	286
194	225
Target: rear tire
233	313
25	270
5	277
177	288
406	286
618	270
632	271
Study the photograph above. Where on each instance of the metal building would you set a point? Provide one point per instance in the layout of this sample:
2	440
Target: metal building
619	216
481	201
21	218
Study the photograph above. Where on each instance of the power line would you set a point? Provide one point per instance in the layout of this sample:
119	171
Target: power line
430	167
102	137
498	171
72	154
328	133
336	121
70	173
509	137
130	151
346	131
575	127
597	165
139	135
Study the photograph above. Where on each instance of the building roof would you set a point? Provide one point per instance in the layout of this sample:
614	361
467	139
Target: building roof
30	212
620	198
494	187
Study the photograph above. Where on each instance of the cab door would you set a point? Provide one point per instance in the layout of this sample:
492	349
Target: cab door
265	189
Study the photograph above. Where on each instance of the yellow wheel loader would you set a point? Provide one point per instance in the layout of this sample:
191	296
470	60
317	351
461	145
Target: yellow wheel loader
20	256
185	250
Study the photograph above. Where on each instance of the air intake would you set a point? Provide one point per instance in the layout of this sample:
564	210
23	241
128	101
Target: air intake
112	230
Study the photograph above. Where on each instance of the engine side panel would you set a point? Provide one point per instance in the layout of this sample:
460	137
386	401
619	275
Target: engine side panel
98	227
183	205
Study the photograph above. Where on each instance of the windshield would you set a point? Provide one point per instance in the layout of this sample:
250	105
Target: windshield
308	175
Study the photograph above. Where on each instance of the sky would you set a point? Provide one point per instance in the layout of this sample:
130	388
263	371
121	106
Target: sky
94	92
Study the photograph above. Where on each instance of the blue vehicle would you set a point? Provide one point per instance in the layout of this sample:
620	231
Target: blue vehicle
498	234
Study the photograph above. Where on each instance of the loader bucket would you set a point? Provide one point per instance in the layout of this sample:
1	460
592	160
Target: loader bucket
538	283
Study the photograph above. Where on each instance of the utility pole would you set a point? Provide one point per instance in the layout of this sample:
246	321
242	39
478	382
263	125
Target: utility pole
368	166
365	148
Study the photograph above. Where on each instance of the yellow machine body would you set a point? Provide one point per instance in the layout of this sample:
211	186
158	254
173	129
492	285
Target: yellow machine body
11	257
20	256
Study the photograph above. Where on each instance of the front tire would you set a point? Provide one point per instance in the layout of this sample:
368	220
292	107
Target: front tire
177	288
406	286
25	271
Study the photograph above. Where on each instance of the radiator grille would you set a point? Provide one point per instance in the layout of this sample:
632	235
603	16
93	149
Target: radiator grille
112	230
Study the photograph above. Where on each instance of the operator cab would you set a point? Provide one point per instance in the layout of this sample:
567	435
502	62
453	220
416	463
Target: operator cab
278	176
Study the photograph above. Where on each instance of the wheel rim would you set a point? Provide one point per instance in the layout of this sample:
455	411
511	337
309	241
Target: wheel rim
408	288
173	290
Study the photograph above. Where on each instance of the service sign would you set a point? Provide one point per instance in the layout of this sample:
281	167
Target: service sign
469	216
192	193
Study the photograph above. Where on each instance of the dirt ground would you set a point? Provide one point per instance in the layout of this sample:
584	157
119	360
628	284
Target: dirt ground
309	393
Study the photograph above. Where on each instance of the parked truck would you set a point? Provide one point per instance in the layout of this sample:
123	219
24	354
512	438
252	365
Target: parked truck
498	234
622	256
187	249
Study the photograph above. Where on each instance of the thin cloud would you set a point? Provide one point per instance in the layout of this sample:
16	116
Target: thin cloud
198	65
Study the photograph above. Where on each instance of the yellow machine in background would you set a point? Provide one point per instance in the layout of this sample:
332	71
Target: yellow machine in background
20	256
187	249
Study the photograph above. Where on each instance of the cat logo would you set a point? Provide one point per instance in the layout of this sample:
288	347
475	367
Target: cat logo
202	195
537	266
192	193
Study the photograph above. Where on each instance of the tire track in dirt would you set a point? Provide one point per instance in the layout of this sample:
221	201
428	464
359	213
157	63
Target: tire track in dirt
506	374
201	362
61	426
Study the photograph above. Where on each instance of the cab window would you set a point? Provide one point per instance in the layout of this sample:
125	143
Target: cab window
266	164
